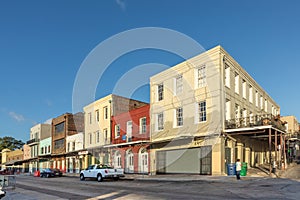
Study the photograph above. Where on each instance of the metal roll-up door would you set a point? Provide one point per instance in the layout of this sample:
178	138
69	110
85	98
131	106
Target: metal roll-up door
179	161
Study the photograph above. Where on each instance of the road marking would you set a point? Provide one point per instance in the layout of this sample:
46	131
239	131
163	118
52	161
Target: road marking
105	195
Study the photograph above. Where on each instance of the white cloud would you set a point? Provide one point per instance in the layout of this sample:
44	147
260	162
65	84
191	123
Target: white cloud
16	116
122	4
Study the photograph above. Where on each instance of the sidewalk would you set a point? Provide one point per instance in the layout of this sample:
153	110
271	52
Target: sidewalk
251	174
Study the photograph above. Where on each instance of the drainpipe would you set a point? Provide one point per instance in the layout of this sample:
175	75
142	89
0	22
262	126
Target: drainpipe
270	153
222	64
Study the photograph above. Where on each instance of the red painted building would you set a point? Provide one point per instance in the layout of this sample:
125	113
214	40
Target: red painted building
131	140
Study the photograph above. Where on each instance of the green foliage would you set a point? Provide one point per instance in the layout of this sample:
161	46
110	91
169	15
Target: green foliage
10	143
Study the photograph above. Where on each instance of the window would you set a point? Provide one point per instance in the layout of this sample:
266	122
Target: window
49	150
117	130
160	91
59	143
236	83
256	99
179	85
90	138
90	118
202	111
179	116
59	128
97	115
272	110
261	102
69	148
237	111
251	118
129	130
143	125
245	116
266	105
98	136
73	146
201	76
227	110
227	76
244	89
105	112
42	150
250	94
105	135
237	114
160	121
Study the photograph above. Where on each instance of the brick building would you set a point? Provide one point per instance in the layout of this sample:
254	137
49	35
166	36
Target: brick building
63	126
130	140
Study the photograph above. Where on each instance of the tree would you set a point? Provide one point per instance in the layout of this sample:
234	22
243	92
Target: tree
10	143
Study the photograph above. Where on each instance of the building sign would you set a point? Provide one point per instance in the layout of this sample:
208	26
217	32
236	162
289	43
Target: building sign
124	137
82	153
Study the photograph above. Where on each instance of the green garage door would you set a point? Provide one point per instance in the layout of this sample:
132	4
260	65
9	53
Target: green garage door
195	161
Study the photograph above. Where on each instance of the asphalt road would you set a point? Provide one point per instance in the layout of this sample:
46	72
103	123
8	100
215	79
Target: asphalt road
32	188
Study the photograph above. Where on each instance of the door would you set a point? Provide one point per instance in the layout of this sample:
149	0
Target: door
129	161
117	160
89	171
227	157
205	160
143	161
179	161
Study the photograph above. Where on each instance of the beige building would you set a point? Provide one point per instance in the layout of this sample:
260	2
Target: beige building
193	106
293	138
97	117
12	159
292	126
37	133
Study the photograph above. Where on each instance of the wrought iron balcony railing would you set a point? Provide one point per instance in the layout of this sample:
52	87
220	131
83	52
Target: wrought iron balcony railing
256	120
32	141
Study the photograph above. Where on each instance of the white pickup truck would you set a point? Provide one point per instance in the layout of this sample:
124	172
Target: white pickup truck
101	172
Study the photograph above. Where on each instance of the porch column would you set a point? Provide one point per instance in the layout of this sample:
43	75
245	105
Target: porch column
284	154
85	161
240	149
280	153
270	153
247	158
275	159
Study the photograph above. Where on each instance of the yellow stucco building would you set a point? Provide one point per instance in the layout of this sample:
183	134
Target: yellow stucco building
196	108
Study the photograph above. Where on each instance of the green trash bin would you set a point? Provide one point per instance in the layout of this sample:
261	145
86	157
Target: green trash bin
244	169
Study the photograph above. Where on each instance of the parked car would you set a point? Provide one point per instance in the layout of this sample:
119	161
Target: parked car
6	172
50	173
101	172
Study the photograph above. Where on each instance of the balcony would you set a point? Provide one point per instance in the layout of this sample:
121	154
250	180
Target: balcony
33	141
257	120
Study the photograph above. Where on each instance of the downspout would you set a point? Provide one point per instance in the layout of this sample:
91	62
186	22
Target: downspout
222	97
222	61
222	91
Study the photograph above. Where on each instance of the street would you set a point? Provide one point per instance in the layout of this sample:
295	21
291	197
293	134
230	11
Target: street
29	187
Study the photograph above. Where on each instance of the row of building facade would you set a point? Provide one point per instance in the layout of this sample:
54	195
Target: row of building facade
203	114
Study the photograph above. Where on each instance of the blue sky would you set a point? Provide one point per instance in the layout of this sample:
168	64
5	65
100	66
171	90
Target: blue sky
43	44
